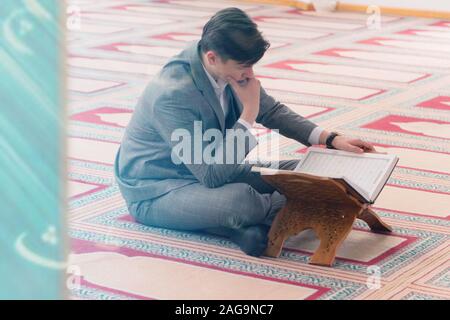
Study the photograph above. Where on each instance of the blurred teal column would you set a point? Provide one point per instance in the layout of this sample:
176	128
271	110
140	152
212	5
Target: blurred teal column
32	113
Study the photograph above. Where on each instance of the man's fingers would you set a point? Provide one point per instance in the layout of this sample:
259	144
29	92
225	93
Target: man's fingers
356	149
237	85
367	147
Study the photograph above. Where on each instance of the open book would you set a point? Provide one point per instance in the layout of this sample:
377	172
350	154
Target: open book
365	174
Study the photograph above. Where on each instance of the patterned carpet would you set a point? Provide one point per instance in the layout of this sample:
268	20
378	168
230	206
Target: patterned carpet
390	86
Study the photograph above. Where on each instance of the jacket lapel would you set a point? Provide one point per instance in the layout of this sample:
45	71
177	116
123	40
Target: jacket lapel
202	82
234	111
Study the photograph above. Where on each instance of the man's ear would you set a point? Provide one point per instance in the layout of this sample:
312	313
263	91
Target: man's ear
212	57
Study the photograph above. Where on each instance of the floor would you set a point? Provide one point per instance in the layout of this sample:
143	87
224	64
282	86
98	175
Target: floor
388	83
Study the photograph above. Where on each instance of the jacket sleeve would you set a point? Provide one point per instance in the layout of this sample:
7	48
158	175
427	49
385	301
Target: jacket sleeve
214	159
275	115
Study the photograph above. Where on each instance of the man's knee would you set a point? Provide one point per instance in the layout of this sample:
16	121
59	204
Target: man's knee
247	206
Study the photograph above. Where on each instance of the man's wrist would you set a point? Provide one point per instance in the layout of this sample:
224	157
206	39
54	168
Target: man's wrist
323	137
249	119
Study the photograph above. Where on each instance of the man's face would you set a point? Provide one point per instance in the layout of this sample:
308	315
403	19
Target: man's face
230	68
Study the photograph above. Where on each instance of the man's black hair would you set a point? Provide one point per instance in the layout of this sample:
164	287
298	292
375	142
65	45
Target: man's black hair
233	35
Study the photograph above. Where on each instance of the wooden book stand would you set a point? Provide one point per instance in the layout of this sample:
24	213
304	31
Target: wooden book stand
326	205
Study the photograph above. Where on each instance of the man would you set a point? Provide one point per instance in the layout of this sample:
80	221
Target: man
210	86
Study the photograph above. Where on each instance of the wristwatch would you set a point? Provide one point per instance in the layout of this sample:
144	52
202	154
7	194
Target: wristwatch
330	139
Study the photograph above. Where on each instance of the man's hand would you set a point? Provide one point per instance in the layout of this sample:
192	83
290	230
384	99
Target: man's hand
248	94
352	145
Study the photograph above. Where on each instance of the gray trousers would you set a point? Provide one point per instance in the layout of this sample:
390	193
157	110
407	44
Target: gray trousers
248	200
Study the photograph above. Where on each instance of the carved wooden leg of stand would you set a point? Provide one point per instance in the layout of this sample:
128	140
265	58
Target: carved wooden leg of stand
275	245
277	234
374	221
331	234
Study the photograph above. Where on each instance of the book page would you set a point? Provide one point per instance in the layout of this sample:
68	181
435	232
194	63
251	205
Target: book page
366	171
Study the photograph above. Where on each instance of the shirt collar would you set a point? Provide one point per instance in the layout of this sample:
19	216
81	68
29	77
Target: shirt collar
218	85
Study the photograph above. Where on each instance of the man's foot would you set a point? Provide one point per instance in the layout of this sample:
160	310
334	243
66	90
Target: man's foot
252	240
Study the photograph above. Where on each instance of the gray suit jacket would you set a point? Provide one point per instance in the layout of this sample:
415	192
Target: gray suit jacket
177	97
